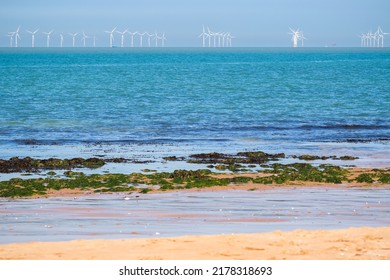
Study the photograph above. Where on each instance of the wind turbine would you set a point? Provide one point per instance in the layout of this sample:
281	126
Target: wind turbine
84	39
302	37
141	37
111	36
32	37
16	33
204	35
163	39
361	36
366	39
369	37
149	37
295	37
219	34
11	38
374	37
214	38
61	40
156	38
132	37
229	39
211	34
47	38
73	36
94	41
123	35
381	34
224	35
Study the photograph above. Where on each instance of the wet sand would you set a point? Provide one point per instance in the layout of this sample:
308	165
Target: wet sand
346	244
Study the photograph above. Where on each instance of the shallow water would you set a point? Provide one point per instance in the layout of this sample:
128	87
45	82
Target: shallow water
191	213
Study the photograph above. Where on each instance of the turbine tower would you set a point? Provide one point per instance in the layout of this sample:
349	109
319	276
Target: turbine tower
132	37
84	39
210	34
219	38
141	37
163	39
32	37
362	37
73	37
302	37
204	35
381	36
11	38
47	38
149	37
156	38
122	35
295	37
16	33
224	39
111	36
229	38
61	40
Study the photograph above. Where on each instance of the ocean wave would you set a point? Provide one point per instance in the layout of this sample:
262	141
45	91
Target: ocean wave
61	142
347	126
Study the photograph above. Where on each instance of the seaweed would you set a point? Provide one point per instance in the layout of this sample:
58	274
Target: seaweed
28	164
276	173
365	178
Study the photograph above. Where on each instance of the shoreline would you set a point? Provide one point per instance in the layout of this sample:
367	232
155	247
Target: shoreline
77	193
363	243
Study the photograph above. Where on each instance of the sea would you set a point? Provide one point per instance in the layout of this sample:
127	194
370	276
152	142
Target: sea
148	103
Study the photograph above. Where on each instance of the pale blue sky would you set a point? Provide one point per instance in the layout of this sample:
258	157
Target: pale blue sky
253	22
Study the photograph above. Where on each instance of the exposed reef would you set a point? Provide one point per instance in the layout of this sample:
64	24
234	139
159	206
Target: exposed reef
239	168
278	174
29	164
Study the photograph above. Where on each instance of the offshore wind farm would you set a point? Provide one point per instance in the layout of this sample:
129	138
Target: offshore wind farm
127	39
208	38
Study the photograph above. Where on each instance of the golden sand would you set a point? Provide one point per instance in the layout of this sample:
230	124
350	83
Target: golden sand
346	244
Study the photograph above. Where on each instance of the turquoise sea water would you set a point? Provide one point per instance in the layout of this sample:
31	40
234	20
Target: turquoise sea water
242	98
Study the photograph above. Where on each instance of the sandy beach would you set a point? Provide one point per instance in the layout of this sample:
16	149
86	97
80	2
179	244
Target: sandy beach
345	244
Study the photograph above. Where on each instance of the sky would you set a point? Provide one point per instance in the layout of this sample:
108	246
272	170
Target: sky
254	23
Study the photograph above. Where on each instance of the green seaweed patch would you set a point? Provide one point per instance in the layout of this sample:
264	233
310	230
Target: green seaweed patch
173	158
384	178
305	172
308	157
184	179
348	158
365	178
71	174
253	157
377	176
221	167
145	190
206	182
146	170
28	164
